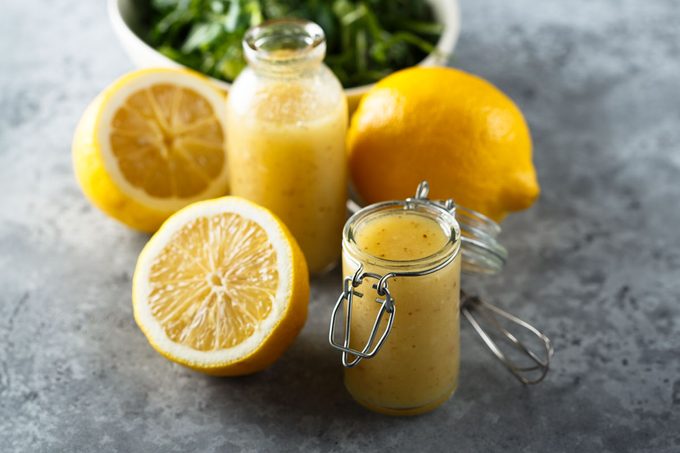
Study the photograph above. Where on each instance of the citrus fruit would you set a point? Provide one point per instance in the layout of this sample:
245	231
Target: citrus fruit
222	287
451	128
151	143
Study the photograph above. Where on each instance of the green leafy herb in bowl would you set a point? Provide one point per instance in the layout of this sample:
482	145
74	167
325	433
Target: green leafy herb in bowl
366	39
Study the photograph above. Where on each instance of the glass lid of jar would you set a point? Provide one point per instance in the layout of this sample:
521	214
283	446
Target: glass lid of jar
481	251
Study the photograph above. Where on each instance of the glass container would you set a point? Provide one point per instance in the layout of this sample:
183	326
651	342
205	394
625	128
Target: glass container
287	120
402	256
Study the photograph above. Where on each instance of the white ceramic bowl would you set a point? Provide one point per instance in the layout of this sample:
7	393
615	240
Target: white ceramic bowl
125	20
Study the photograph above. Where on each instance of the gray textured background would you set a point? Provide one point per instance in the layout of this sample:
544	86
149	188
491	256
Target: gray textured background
596	262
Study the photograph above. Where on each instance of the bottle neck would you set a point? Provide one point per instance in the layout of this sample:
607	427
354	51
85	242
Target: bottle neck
284	47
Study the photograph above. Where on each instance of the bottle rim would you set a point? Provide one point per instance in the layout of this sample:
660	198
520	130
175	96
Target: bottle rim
438	213
282	43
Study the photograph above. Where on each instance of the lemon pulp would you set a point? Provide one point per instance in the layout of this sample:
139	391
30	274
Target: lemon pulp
167	141
214	282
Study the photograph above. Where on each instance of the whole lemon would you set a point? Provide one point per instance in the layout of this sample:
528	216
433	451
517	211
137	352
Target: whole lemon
451	128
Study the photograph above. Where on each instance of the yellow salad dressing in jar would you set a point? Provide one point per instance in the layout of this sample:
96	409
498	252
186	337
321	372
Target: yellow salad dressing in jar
402	257
287	119
401	302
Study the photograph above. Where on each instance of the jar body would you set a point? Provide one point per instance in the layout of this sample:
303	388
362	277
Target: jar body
286	152
417	367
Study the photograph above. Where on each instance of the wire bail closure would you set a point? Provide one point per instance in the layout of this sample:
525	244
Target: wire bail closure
386	306
481	254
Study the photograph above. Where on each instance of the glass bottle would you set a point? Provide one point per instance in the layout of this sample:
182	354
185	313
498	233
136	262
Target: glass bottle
287	120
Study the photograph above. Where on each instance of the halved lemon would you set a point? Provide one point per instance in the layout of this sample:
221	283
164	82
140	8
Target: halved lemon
222	287
150	144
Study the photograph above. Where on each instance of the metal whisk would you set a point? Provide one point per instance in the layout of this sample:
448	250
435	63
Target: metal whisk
473	308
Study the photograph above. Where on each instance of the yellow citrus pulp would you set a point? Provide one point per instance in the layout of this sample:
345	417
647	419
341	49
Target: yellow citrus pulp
150	144
222	287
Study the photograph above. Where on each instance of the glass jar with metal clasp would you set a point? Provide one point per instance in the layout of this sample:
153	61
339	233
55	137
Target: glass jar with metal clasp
401	303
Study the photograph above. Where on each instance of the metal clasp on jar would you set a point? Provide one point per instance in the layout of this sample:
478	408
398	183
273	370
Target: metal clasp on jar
386	302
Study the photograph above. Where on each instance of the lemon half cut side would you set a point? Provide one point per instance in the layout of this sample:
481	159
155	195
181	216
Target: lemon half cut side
222	287
151	143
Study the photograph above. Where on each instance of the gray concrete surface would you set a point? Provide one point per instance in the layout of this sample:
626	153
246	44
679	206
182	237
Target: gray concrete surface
596	262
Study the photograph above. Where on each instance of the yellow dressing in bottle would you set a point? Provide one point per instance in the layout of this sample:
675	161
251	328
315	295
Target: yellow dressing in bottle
287	120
